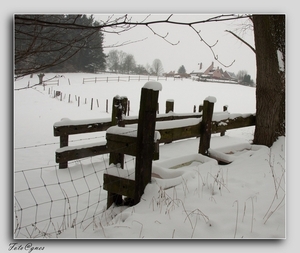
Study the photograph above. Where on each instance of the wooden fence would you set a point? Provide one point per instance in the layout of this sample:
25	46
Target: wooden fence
171	126
126	78
66	127
136	137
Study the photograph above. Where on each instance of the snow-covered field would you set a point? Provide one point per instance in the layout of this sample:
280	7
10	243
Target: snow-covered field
245	199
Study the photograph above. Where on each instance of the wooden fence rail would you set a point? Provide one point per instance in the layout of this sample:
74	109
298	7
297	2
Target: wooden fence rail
171	127
51	82
126	78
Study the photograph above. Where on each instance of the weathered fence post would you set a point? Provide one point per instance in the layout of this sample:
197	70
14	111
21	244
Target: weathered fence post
225	107
169	105
40	76
169	108
145	137
64	142
128	107
205	125
119	107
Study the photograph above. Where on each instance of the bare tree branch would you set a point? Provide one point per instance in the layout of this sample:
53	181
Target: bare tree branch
38	42
239	38
124	43
211	48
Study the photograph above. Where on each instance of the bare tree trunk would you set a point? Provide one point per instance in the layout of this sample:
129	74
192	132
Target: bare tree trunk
270	90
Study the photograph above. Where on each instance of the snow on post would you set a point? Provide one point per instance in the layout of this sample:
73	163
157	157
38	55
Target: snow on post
153	85
211	99
280	60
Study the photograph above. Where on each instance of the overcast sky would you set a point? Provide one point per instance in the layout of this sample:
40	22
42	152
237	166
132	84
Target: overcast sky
190	51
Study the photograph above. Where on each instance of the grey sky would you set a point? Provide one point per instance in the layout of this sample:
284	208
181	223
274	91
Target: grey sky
190	51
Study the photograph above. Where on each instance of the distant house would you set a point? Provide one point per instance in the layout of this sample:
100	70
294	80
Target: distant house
217	73
230	75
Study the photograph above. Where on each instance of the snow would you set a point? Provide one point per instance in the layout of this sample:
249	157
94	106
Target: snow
60	150
69	122
116	171
171	123
211	99
153	85
190	196
129	131
280	60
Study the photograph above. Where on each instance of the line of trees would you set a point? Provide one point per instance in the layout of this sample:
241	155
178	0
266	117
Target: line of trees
244	78
120	62
49	43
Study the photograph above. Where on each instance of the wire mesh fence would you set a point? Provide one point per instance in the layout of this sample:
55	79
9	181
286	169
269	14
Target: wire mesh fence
47	201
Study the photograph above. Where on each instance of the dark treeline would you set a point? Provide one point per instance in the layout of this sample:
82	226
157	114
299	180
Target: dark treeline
42	43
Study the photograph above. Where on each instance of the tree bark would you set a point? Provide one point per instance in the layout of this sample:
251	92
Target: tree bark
270	80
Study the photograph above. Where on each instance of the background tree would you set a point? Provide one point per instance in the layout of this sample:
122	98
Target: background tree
112	60
244	78
141	70
129	63
122	55
157	67
240	75
247	80
148	68
181	70
49	43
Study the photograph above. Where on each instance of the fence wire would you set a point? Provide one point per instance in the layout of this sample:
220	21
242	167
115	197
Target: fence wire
57	143
48	201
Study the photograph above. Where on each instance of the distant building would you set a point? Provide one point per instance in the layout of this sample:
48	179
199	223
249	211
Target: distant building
213	72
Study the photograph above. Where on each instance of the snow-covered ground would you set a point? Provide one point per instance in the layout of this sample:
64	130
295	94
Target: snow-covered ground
197	199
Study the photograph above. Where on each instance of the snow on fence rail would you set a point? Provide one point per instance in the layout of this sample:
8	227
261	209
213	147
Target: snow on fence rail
171	126
67	127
